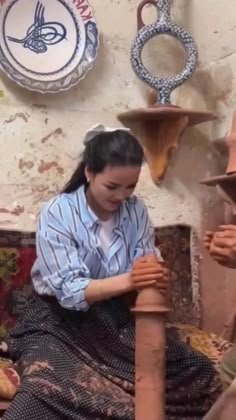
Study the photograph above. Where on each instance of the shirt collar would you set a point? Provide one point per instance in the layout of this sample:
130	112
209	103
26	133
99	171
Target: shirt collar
87	215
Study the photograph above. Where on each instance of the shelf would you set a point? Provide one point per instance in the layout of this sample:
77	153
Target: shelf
160	112
159	129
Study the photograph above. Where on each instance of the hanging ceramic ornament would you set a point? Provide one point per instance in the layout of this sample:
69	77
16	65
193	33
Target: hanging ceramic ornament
160	126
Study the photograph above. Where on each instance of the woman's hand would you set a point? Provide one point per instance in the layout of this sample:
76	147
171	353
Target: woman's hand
208	239
150	271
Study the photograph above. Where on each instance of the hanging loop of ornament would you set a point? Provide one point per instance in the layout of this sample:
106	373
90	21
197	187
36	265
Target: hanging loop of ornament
164	25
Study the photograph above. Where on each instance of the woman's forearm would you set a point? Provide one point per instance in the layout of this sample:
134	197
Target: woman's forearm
99	290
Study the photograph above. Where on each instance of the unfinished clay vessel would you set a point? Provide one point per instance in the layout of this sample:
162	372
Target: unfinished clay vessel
150	343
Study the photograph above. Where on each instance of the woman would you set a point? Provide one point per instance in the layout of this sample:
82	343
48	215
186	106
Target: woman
75	344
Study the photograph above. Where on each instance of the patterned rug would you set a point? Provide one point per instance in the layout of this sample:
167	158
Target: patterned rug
179	248
17	254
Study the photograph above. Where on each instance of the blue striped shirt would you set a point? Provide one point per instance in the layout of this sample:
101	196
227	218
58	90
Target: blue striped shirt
69	253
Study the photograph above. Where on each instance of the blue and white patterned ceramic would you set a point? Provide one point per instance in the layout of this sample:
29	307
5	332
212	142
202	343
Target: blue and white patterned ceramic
47	45
163	25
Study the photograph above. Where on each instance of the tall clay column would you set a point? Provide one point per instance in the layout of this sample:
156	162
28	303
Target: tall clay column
150	348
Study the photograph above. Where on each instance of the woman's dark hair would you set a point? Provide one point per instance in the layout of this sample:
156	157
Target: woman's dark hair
116	148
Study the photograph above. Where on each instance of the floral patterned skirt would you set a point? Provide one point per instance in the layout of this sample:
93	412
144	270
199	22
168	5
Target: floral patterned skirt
77	365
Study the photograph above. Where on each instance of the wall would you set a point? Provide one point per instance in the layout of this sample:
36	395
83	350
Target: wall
41	136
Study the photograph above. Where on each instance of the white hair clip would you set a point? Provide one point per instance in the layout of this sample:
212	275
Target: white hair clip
100	128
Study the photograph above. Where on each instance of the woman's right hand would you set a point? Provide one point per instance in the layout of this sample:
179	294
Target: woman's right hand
150	271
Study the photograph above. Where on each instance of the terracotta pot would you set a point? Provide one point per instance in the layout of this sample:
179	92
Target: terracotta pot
150	348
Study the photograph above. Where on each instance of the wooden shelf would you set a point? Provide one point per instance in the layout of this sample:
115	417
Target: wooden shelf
159	129
160	112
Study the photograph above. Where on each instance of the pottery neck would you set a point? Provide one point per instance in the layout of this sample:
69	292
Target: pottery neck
163	7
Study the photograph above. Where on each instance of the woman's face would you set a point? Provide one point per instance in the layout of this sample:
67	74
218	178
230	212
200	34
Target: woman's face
112	186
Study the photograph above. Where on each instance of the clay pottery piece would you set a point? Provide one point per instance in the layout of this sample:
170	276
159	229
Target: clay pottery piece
160	140
159	126
150	347
159	130
164	25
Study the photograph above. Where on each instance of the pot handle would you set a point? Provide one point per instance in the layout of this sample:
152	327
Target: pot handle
143	3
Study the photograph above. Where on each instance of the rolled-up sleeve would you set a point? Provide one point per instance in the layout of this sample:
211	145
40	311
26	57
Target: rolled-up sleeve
145	243
61	268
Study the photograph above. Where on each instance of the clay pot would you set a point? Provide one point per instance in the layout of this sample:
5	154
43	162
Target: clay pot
160	139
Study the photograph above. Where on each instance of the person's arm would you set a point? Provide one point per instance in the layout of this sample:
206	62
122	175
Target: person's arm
151	274
145	245
64	272
108	288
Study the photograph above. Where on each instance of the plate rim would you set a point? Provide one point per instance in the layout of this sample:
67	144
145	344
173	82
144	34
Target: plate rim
32	82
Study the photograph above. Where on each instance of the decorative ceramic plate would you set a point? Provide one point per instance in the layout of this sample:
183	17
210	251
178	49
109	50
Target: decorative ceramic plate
47	45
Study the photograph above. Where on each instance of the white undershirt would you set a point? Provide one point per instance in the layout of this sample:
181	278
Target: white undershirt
105	234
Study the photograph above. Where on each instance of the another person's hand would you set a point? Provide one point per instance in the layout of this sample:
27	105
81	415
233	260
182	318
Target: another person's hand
222	245
150	271
208	239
